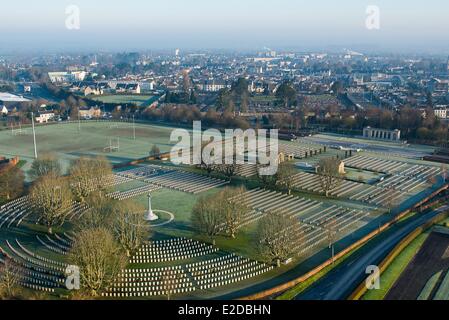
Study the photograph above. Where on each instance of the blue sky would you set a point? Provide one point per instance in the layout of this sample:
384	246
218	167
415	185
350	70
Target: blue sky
246	24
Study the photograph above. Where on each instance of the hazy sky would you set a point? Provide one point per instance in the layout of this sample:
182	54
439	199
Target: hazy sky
405	25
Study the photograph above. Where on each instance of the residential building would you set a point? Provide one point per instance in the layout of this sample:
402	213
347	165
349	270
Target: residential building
3	110
88	113
45	116
440	112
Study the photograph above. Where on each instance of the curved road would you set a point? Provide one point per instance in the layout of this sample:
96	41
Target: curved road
342	281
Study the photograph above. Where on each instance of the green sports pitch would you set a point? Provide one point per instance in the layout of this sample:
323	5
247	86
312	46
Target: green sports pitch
72	140
138	100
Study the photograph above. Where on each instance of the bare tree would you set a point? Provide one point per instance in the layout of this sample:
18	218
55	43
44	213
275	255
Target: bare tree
207	217
11	183
266	181
222	212
209	166
234	206
277	236
99	257
228	170
45	164
81	178
329	174
99	214
51	198
285	176
89	175
155	151
10	277
130	229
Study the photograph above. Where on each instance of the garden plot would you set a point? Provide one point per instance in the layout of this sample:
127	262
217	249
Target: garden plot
426	276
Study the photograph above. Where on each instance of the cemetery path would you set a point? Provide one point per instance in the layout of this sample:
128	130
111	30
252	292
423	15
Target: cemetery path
340	282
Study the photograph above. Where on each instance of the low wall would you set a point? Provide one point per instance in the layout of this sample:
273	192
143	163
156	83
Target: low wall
288	285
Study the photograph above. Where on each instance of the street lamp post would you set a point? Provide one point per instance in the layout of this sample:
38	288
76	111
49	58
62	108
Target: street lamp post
34	135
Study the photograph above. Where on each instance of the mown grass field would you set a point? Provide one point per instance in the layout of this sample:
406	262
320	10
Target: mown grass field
68	142
138	100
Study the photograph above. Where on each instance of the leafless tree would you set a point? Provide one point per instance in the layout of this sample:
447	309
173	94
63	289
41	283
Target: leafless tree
234	206
45	164
155	151
285	176
99	213
329	174
222	212
99	257
51	199
277	236
11	183
10	277
89	175
207	217
130	229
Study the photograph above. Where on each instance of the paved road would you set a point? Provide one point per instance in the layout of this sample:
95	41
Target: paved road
343	280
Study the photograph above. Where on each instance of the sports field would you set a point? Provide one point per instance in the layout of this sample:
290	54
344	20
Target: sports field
138	100
68	142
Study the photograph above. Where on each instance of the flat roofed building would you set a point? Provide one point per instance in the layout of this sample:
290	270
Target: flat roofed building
381	134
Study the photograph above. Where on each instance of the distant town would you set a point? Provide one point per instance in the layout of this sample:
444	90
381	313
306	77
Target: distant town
294	92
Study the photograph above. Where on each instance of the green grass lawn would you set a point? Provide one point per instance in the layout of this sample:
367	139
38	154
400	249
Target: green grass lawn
395	269
68	143
138	100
